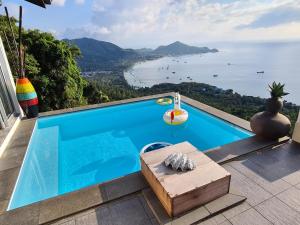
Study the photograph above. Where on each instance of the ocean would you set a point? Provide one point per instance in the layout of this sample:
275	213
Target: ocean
247	68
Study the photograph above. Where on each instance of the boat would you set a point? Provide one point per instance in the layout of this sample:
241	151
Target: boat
260	72
173	72
215	75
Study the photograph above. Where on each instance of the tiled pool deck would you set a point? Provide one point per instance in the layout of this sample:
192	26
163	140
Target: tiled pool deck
268	176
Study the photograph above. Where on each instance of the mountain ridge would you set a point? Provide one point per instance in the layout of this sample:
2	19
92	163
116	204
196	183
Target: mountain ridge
102	55
179	48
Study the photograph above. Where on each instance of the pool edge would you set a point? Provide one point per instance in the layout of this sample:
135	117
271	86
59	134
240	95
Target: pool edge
40	212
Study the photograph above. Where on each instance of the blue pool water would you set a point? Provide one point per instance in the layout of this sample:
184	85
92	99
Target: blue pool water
71	151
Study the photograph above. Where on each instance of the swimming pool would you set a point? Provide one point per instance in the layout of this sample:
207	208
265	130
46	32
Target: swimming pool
75	150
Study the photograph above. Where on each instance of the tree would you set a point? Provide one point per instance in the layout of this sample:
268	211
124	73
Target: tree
93	94
59	83
51	66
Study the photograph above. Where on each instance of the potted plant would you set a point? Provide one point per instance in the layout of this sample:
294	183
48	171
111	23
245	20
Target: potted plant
270	123
275	103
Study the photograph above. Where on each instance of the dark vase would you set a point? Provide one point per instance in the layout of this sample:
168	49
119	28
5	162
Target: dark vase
271	124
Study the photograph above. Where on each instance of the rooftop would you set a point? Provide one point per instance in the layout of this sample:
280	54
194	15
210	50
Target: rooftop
267	173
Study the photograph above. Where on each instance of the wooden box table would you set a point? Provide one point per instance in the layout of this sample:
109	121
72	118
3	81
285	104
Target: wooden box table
181	191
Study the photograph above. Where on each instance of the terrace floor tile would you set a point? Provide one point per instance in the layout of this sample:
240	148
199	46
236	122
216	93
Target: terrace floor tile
128	211
125	211
254	171
249	217
246	187
7	182
124	186
236	210
11	162
3	205
291	197
28	215
293	178
101	217
154	221
70	222
216	220
226	223
278	212
224	202
61	206
233	150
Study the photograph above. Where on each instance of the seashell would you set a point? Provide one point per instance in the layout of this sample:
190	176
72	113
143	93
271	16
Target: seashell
179	161
190	164
169	158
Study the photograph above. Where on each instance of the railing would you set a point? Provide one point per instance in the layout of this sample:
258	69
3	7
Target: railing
8	102
296	134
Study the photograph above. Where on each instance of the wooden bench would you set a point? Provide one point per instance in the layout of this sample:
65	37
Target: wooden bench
179	192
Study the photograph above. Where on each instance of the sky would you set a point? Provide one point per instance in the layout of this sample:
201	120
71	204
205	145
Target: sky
149	23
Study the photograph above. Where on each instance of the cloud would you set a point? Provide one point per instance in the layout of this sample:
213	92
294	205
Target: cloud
62	2
149	23
89	30
275	17
79	2
59	2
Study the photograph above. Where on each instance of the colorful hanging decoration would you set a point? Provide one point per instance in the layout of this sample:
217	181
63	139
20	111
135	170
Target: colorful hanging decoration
27	97
26	94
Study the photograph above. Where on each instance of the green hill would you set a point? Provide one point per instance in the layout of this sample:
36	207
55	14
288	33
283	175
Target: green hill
101	55
178	48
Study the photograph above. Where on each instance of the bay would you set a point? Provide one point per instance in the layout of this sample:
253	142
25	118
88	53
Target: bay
235	67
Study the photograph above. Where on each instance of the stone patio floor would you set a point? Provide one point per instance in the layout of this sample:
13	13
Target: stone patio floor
270	179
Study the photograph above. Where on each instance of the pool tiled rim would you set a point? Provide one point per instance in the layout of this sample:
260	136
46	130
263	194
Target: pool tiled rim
74	202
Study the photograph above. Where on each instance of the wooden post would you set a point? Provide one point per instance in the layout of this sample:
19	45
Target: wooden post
20	45
13	35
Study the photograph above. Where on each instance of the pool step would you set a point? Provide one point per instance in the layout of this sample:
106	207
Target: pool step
199	214
39	174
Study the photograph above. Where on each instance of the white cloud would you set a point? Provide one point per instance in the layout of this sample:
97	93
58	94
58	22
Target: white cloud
62	2
79	2
59	2
102	5
145	23
89	30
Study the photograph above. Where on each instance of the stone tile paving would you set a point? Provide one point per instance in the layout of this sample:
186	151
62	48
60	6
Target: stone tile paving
270	179
128	211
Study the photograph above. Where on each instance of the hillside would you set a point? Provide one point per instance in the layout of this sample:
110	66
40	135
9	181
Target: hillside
178	48
101	55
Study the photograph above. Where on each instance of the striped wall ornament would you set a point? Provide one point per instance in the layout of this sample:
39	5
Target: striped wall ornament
27	97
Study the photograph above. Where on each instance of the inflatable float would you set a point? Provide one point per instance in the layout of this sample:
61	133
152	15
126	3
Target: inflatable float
164	101
177	115
154	146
